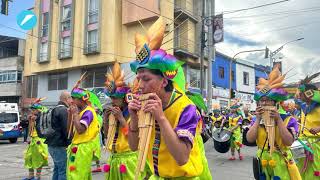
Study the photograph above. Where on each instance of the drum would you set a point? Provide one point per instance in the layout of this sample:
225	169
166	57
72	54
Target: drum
244	137
298	150
221	140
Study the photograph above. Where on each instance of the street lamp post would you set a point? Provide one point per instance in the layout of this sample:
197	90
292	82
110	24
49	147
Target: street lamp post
272	54
230	68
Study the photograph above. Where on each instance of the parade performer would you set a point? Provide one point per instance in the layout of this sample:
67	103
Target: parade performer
217	117
85	126
36	154
310	127
122	161
235	121
173	150
275	159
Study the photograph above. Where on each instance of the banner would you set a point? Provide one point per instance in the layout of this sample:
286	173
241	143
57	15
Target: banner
218	28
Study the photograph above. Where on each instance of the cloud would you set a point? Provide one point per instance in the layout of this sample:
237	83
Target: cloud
273	26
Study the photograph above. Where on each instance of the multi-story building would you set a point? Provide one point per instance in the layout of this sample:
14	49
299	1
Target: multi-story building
73	37
11	67
244	76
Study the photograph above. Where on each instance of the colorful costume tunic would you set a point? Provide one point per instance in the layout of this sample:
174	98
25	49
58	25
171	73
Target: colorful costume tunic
276	166
97	141
81	151
310	117
236	137
122	162
183	117
36	154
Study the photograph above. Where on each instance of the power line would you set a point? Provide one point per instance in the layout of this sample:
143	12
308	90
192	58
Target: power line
279	29
255	7
60	42
279	13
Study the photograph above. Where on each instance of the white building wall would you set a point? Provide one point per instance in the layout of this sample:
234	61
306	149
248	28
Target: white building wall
241	87
53	96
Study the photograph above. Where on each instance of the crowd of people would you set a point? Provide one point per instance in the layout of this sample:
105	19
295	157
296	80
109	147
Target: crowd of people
83	127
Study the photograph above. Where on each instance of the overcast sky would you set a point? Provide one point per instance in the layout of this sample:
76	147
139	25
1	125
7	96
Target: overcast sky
273	26
270	26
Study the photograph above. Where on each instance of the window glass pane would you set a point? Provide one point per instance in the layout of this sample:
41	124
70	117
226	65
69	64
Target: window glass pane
99	78
221	72
194	78
45	24
65	47
43	51
63	81
66	14
19	78
92	40
35	86
88	82
52	82
93	11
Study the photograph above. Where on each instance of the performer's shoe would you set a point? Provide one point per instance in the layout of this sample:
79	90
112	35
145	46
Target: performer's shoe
241	157
97	170
232	158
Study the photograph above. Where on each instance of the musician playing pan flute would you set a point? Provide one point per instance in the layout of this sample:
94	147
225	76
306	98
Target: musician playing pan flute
277	163
81	151
36	154
235	121
310	127
173	152
122	161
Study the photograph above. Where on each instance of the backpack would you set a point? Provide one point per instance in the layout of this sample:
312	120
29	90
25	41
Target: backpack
45	128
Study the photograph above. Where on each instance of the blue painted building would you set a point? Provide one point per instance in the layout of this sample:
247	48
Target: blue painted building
261	72
220	71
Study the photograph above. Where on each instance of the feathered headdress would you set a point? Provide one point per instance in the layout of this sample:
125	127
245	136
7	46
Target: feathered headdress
235	104
115	85
38	105
309	90
216	107
150	56
272	87
85	95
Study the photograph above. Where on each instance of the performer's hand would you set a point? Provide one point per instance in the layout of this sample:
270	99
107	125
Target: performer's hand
73	109
116	111
154	106
315	130
259	112
134	106
33	117
275	115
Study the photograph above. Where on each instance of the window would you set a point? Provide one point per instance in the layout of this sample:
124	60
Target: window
10	76
257	80
65	50
194	78
246	78
32	86
57	81
93	11
92	45
43	56
221	72
95	77
232	76
66	18
45	24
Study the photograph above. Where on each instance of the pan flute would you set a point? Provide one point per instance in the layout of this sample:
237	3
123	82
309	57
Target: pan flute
145	124
111	130
269	124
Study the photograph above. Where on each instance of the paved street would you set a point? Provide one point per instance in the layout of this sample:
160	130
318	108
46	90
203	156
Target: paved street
11	163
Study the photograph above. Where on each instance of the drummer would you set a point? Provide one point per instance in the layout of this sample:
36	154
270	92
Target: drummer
235	121
310	128
280	164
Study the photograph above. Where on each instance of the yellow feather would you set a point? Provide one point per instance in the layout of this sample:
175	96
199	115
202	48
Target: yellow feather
263	81
274	74
155	34
110	77
278	85
116	71
140	40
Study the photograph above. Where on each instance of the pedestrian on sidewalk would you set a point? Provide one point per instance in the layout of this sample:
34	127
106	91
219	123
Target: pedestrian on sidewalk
58	142
25	127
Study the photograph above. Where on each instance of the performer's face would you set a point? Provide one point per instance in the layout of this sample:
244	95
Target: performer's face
118	102
265	101
151	83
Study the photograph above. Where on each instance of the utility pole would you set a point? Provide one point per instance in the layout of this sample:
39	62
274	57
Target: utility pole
212	54
202	46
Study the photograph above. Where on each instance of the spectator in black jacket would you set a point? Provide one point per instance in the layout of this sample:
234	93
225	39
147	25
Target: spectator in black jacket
58	143
25	126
